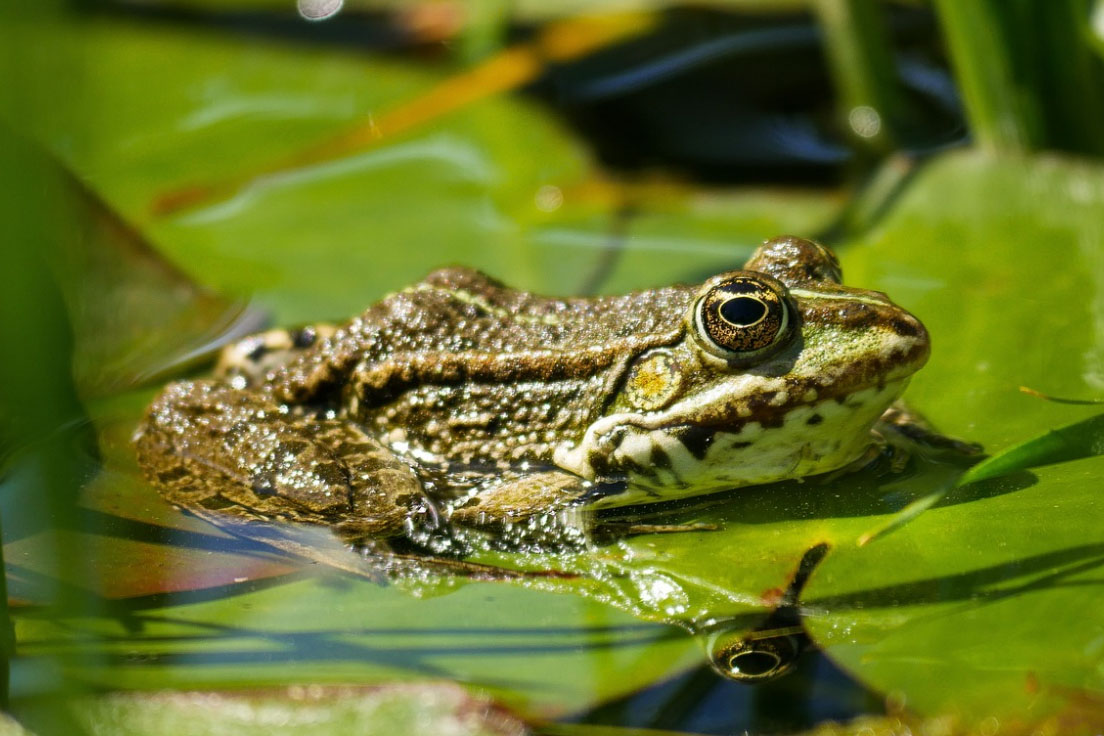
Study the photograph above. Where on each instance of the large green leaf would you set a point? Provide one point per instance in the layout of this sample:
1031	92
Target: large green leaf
992	606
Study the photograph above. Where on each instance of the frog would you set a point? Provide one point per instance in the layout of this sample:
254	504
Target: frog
459	402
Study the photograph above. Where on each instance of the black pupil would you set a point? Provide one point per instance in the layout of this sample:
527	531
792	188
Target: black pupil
754	663
743	311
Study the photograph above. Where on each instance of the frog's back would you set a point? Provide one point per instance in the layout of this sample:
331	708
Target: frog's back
480	313
461	366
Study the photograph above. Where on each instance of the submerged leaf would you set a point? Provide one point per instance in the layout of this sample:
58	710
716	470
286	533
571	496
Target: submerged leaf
136	319
417	708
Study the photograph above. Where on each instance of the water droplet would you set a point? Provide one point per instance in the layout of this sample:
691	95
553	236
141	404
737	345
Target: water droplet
549	198
319	9
865	121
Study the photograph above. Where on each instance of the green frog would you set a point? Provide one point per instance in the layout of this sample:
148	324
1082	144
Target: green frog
461	402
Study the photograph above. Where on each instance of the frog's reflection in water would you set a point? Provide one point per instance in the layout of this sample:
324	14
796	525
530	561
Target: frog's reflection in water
772	648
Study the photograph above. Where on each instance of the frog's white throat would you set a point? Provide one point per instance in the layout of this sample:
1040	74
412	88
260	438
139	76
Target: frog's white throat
660	465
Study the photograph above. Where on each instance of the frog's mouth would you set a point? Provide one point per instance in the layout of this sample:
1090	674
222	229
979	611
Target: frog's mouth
665	462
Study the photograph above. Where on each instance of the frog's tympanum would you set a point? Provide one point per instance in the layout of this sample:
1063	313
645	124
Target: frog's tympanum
458	399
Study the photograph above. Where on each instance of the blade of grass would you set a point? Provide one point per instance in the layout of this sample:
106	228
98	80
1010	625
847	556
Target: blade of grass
1002	118
1076	441
1072	442
38	402
861	60
7	636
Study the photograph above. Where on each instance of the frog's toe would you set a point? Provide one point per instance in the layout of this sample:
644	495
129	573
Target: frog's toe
913	433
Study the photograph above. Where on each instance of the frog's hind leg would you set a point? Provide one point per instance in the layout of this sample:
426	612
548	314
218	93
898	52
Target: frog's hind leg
511	497
253	357
207	446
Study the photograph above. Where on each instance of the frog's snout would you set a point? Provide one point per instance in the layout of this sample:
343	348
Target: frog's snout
910	338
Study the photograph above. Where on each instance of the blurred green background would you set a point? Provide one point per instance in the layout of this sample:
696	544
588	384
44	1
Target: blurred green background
174	174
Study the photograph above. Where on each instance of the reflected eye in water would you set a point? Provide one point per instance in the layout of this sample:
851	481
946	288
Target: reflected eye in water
773	648
758	656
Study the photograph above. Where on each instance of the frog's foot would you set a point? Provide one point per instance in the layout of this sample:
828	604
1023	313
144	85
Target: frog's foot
254	356
209	447
906	430
901	433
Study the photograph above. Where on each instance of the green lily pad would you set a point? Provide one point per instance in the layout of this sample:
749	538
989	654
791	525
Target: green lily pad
989	605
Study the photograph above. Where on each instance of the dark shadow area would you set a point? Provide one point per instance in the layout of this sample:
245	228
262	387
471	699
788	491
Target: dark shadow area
702	702
730	97
92	521
872	491
979	585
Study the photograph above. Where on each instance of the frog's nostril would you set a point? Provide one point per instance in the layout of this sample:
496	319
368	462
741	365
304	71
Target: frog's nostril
906	325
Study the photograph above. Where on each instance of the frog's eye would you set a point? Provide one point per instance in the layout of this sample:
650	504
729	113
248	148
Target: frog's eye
742	317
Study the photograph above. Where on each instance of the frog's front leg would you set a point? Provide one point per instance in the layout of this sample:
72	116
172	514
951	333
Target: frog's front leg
209	446
906	430
513	498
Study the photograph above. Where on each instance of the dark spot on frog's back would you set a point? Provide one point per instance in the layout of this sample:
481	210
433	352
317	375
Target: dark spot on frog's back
814	420
332	473
216	503
303	337
194	411
696	439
